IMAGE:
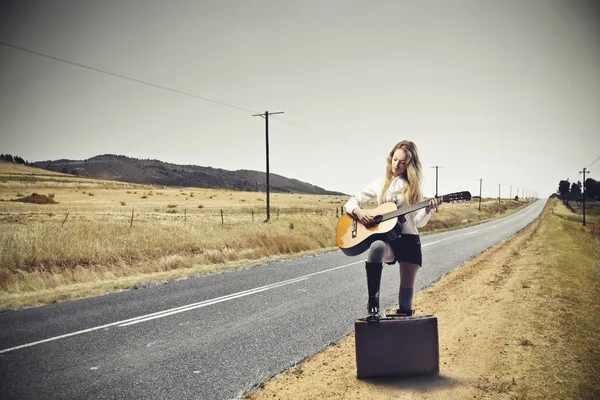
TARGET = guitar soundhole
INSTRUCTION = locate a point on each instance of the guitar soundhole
(377, 219)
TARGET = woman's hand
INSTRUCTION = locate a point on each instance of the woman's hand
(433, 203)
(363, 216)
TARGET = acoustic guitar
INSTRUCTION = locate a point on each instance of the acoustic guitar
(353, 238)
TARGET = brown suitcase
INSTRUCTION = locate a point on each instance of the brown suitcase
(397, 346)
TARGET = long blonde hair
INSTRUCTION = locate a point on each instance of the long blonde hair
(411, 192)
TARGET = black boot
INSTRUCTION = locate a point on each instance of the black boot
(373, 285)
(400, 312)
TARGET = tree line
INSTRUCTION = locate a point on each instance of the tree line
(574, 190)
(13, 159)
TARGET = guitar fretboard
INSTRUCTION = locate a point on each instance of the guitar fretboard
(404, 210)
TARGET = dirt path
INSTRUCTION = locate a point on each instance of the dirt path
(519, 321)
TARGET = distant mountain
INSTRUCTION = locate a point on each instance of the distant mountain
(154, 172)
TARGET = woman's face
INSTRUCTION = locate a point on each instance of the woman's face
(399, 162)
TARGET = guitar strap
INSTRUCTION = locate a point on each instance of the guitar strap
(398, 228)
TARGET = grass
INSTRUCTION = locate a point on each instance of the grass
(88, 242)
(565, 308)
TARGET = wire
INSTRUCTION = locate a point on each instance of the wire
(593, 162)
(322, 133)
(175, 91)
(128, 78)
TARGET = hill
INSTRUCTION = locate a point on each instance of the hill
(155, 172)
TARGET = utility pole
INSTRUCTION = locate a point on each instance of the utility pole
(480, 181)
(498, 193)
(583, 172)
(266, 117)
(436, 178)
(510, 194)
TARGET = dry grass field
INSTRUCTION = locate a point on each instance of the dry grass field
(102, 235)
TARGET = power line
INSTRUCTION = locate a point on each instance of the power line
(588, 167)
(324, 134)
(174, 91)
(127, 78)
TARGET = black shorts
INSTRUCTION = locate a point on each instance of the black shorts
(407, 248)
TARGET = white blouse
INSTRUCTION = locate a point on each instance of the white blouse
(414, 220)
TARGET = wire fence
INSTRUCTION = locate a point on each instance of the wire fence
(133, 216)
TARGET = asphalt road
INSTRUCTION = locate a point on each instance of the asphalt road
(214, 336)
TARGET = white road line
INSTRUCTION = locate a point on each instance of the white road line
(210, 302)
(469, 233)
(175, 310)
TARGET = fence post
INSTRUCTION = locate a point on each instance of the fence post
(222, 217)
(278, 213)
(253, 215)
(131, 223)
(184, 215)
(65, 220)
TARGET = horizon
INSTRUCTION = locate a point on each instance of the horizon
(30, 163)
(503, 91)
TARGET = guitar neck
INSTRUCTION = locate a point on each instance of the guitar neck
(404, 210)
(457, 196)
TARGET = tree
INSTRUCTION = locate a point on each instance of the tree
(563, 188)
(576, 190)
(592, 189)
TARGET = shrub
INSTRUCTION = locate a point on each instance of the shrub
(172, 205)
(123, 203)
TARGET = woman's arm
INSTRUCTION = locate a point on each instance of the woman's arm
(422, 216)
(370, 191)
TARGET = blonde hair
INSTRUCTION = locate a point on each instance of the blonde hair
(411, 192)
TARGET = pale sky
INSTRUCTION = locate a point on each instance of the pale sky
(507, 91)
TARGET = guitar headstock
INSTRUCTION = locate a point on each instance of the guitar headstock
(458, 196)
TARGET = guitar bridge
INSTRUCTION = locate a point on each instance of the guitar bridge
(354, 227)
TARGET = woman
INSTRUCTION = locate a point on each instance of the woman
(402, 185)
